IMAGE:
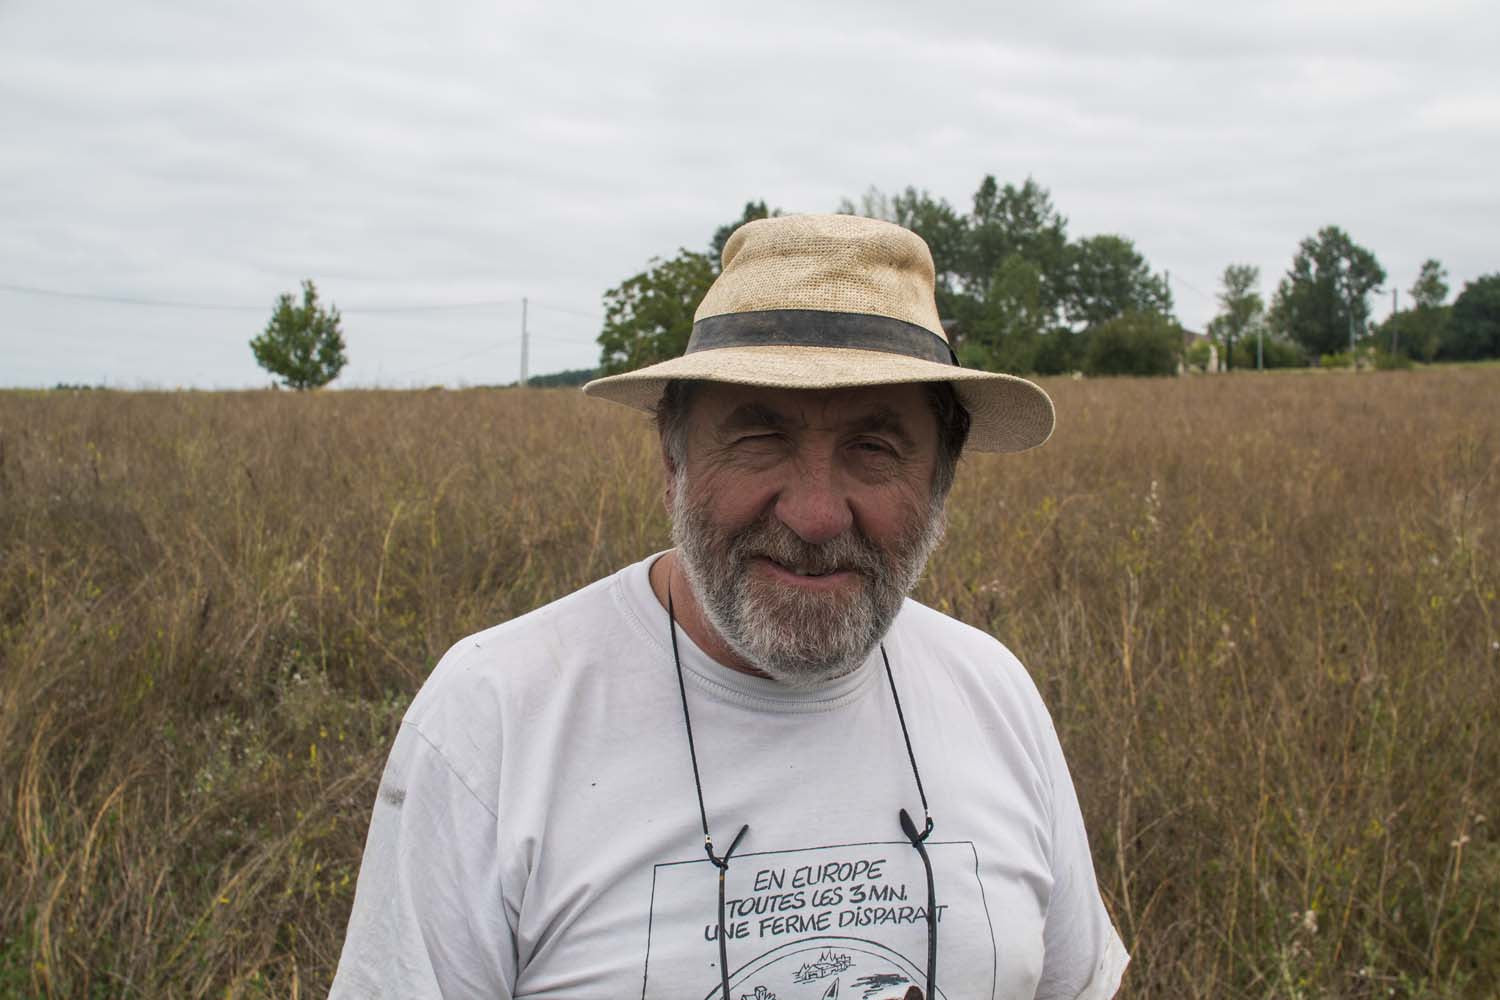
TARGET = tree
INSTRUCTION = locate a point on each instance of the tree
(1003, 331)
(1135, 343)
(942, 228)
(1240, 308)
(302, 344)
(1420, 331)
(1414, 333)
(1272, 351)
(1107, 277)
(1430, 289)
(1016, 220)
(753, 210)
(1474, 330)
(1324, 299)
(648, 318)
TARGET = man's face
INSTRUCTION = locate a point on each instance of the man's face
(804, 518)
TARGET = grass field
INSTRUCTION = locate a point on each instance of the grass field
(1262, 609)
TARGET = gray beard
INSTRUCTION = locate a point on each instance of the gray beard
(800, 639)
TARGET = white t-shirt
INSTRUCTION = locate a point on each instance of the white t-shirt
(537, 833)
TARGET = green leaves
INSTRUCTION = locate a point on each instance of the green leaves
(1474, 330)
(1023, 298)
(1135, 343)
(1241, 308)
(1323, 302)
(302, 343)
(1017, 295)
(1106, 278)
(648, 318)
(1431, 286)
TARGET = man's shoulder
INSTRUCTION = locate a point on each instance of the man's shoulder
(933, 626)
(500, 669)
(972, 656)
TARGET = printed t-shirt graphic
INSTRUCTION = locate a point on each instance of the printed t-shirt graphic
(847, 921)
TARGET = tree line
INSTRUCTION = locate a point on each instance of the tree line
(1018, 294)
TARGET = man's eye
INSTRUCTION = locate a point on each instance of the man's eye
(872, 447)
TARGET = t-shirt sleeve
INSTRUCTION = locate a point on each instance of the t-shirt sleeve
(1085, 958)
(428, 919)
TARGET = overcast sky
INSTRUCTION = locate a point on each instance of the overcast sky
(413, 155)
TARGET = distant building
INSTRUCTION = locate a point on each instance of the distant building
(1190, 339)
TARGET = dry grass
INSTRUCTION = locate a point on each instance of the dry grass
(1263, 610)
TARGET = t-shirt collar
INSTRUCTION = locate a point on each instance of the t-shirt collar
(725, 682)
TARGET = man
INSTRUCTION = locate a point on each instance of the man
(883, 804)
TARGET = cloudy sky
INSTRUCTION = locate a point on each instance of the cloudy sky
(169, 168)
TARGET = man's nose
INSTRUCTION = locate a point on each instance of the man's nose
(814, 504)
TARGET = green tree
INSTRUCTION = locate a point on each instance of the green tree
(1273, 351)
(1020, 221)
(1474, 330)
(302, 344)
(753, 210)
(648, 318)
(1240, 308)
(1324, 299)
(1003, 331)
(1418, 332)
(1134, 343)
(933, 219)
(1430, 290)
(1414, 333)
(1421, 329)
(1107, 277)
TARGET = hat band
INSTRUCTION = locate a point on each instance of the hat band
(819, 328)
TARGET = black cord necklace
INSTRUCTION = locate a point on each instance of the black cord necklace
(721, 862)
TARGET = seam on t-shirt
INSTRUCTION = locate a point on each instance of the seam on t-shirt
(452, 769)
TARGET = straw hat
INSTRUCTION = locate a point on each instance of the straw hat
(832, 302)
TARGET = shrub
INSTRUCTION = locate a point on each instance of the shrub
(1385, 361)
(1276, 352)
(1145, 343)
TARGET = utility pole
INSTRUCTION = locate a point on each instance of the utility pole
(524, 341)
(1394, 309)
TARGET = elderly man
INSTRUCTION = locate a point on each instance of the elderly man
(883, 804)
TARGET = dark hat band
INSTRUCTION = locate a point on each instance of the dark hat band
(819, 328)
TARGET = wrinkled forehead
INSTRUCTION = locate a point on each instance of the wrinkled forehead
(721, 405)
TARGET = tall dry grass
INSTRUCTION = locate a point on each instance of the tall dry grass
(1262, 609)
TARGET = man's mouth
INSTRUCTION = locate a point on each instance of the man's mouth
(806, 572)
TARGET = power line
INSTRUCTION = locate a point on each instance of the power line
(571, 312)
(1179, 279)
(566, 340)
(450, 361)
(139, 300)
(462, 357)
(432, 306)
(128, 300)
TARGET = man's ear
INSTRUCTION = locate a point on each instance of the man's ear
(669, 480)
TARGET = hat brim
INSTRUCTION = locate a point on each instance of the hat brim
(1007, 413)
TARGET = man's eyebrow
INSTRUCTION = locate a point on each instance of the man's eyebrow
(749, 416)
(883, 420)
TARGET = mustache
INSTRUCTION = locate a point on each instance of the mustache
(770, 539)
